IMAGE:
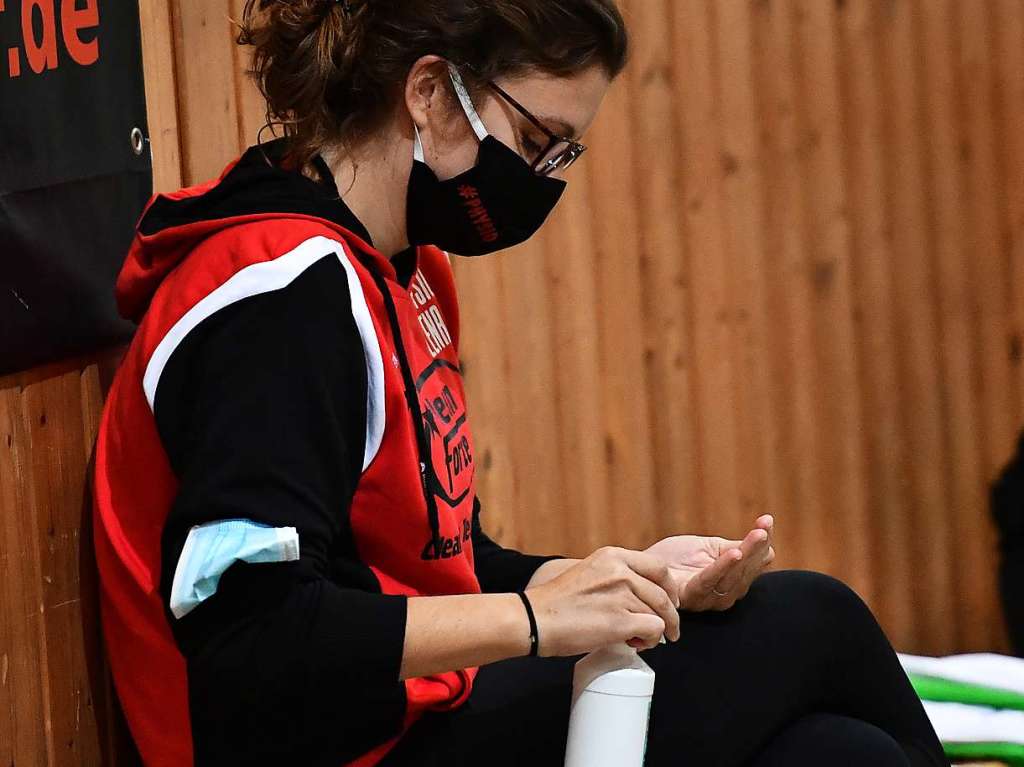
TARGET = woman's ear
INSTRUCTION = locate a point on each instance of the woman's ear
(425, 93)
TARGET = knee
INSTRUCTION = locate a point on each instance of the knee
(835, 740)
(861, 743)
(811, 594)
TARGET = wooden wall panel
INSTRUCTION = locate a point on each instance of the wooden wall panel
(207, 81)
(161, 93)
(56, 704)
(885, 497)
(948, 243)
(742, 223)
(664, 281)
(24, 699)
(790, 370)
(788, 278)
(1009, 90)
(913, 282)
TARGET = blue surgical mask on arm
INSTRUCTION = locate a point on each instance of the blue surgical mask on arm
(212, 548)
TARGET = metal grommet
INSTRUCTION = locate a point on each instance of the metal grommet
(138, 141)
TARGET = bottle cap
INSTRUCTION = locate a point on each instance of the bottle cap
(615, 670)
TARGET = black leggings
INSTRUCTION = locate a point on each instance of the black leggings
(796, 673)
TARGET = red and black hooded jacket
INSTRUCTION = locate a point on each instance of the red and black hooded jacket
(278, 362)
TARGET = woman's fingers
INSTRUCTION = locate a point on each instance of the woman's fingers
(707, 580)
(719, 545)
(751, 548)
(645, 630)
(653, 569)
(767, 522)
(655, 598)
(760, 559)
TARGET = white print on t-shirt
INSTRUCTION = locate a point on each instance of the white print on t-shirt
(431, 320)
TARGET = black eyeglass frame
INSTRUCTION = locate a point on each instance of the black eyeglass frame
(563, 159)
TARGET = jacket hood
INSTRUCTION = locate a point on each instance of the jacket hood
(252, 187)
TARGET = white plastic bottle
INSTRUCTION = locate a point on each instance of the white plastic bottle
(611, 704)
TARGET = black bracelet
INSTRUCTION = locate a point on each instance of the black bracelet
(534, 636)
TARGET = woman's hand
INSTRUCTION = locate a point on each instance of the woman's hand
(614, 595)
(701, 564)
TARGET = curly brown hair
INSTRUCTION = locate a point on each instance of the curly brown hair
(331, 71)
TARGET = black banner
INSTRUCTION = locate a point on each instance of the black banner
(75, 173)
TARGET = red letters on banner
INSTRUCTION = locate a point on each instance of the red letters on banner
(39, 29)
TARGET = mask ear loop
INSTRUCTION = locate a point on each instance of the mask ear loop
(467, 106)
(417, 147)
(467, 103)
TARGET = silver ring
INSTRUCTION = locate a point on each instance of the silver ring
(719, 592)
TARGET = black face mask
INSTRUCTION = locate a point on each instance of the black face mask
(498, 203)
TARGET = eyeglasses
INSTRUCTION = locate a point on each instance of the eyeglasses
(560, 153)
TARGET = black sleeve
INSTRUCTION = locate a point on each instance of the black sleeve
(499, 569)
(262, 410)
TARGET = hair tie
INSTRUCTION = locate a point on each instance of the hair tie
(534, 636)
(348, 7)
